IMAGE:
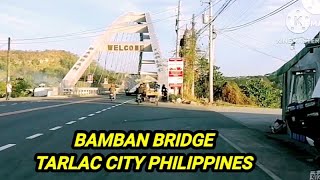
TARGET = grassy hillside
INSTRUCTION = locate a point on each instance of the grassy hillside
(48, 66)
(38, 66)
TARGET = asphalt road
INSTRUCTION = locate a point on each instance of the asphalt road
(49, 126)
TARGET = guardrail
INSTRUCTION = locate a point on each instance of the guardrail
(81, 91)
(85, 91)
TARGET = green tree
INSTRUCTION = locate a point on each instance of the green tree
(262, 92)
(20, 87)
(202, 80)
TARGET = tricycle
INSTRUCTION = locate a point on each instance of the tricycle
(152, 97)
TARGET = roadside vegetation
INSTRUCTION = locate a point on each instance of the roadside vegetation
(260, 91)
(30, 68)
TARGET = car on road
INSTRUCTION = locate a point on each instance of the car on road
(132, 91)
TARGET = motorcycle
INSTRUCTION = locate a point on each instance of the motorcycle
(139, 98)
(111, 96)
(164, 96)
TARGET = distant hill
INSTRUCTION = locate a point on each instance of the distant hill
(272, 78)
(49, 66)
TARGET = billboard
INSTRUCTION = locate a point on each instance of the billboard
(175, 70)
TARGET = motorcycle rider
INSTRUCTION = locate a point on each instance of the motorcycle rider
(140, 91)
(113, 90)
(144, 91)
(164, 92)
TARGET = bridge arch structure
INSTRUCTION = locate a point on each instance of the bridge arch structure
(129, 46)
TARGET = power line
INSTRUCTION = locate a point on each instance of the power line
(222, 9)
(161, 12)
(243, 14)
(201, 12)
(288, 4)
(251, 48)
(77, 34)
(96, 30)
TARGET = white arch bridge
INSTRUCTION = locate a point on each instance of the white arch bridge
(128, 48)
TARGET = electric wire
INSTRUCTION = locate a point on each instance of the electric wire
(249, 47)
(97, 30)
(278, 10)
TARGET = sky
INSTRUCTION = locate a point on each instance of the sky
(254, 50)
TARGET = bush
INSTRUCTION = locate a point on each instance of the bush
(231, 93)
(173, 97)
(2, 89)
(20, 87)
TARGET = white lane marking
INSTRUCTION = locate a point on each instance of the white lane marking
(2, 105)
(103, 110)
(262, 167)
(82, 118)
(109, 108)
(98, 112)
(46, 107)
(23, 102)
(113, 106)
(34, 136)
(90, 115)
(6, 146)
(14, 104)
(71, 122)
(128, 101)
(55, 128)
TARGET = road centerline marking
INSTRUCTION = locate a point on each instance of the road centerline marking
(98, 112)
(82, 118)
(55, 128)
(261, 166)
(45, 107)
(71, 122)
(34, 136)
(6, 146)
(90, 115)
(103, 110)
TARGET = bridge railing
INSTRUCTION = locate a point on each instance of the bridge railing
(86, 91)
(81, 91)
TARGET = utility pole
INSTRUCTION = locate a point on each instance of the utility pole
(177, 31)
(193, 40)
(211, 52)
(8, 65)
(178, 42)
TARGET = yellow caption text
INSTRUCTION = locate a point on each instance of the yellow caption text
(148, 162)
(145, 139)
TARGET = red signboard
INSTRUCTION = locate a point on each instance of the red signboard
(175, 73)
(175, 68)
